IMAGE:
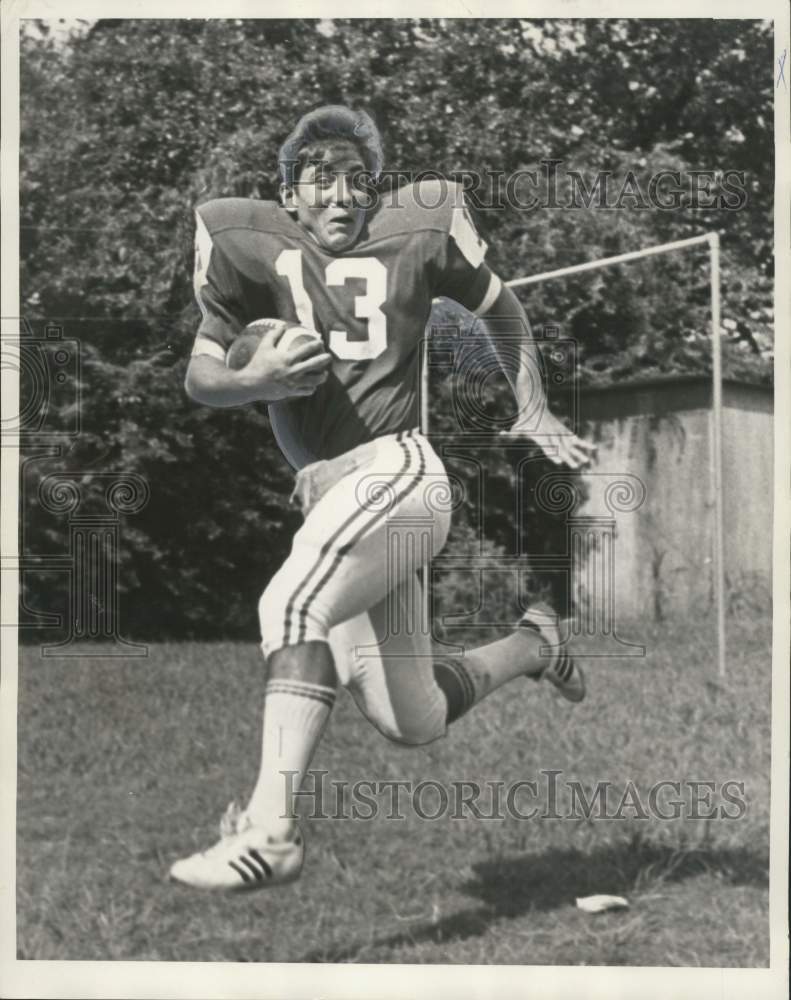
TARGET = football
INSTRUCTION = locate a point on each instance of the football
(244, 347)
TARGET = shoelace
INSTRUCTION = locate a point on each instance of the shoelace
(234, 820)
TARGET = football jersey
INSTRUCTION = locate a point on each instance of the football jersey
(370, 303)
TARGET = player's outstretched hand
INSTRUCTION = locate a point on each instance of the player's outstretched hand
(557, 442)
(279, 374)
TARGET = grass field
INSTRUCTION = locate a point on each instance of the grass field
(126, 764)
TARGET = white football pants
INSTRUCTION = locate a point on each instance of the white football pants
(351, 579)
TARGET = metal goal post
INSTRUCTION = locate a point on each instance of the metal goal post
(713, 241)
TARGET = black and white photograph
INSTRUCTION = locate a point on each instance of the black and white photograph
(395, 501)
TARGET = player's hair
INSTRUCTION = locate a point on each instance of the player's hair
(318, 131)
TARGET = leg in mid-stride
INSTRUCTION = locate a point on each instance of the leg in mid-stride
(320, 630)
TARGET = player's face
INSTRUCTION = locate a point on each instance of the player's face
(329, 199)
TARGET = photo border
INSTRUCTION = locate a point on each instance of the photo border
(278, 980)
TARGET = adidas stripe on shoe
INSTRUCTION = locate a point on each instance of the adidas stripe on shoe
(562, 672)
(244, 858)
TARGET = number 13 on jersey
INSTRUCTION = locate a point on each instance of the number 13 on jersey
(366, 306)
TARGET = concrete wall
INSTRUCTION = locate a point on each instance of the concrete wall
(660, 432)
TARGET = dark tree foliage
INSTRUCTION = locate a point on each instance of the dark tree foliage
(126, 125)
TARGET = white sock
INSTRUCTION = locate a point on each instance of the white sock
(499, 662)
(295, 713)
(487, 668)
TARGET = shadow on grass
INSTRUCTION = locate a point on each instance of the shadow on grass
(513, 887)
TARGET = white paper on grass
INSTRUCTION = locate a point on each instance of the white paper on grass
(598, 904)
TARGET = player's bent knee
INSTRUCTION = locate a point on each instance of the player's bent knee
(415, 733)
(285, 620)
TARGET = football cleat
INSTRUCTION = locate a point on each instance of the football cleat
(562, 672)
(244, 858)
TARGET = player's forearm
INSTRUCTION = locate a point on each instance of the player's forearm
(210, 382)
(508, 329)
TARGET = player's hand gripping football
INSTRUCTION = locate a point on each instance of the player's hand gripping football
(277, 374)
(552, 436)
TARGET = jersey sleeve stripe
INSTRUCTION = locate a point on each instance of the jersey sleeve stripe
(203, 345)
(466, 238)
(203, 249)
(491, 296)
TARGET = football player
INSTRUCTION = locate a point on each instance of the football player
(345, 412)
